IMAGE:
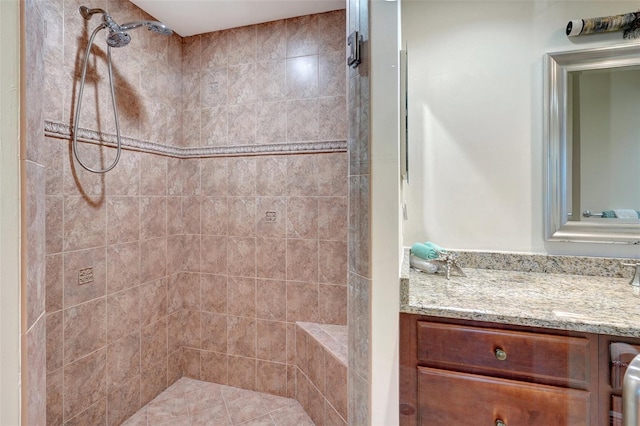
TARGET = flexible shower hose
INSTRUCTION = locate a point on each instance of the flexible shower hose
(79, 104)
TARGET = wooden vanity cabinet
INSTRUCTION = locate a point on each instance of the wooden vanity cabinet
(455, 372)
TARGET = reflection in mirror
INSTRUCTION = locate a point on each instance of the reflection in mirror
(593, 145)
(604, 144)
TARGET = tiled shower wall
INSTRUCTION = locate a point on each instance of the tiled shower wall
(199, 266)
(272, 230)
(147, 73)
(278, 82)
(264, 246)
(107, 338)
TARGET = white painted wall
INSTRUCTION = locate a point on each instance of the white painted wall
(9, 213)
(386, 240)
(476, 119)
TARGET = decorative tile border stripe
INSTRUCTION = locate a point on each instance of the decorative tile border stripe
(62, 131)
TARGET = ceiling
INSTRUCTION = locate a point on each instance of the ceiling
(191, 17)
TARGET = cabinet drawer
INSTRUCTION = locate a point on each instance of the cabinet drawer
(542, 358)
(450, 398)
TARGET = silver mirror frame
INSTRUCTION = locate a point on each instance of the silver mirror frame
(557, 66)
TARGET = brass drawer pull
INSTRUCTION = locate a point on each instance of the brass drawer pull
(501, 356)
(499, 422)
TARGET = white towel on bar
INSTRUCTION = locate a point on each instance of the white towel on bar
(626, 213)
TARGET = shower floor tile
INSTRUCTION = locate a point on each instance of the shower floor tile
(190, 402)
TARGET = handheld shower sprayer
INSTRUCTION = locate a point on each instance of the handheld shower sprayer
(117, 37)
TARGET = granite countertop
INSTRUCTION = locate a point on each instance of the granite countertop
(594, 304)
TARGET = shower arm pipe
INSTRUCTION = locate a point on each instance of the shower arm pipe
(79, 104)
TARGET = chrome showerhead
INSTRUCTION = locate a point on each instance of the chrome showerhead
(118, 39)
(118, 35)
(88, 13)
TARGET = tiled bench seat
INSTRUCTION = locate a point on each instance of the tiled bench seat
(321, 372)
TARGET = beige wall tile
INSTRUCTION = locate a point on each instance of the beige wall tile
(271, 260)
(214, 254)
(332, 218)
(54, 397)
(242, 216)
(153, 217)
(123, 313)
(125, 178)
(332, 262)
(302, 36)
(153, 380)
(153, 175)
(191, 363)
(53, 282)
(76, 293)
(214, 49)
(241, 297)
(244, 42)
(271, 176)
(242, 176)
(55, 340)
(271, 377)
(84, 383)
(302, 217)
(153, 301)
(153, 259)
(302, 260)
(332, 174)
(214, 335)
(215, 177)
(193, 329)
(272, 77)
(123, 402)
(53, 224)
(271, 215)
(215, 216)
(302, 77)
(84, 223)
(271, 122)
(302, 175)
(241, 338)
(191, 207)
(302, 120)
(302, 302)
(123, 266)
(214, 367)
(272, 40)
(241, 252)
(94, 415)
(316, 364)
(123, 362)
(175, 222)
(153, 344)
(214, 293)
(241, 83)
(36, 372)
(123, 219)
(332, 304)
(271, 345)
(241, 372)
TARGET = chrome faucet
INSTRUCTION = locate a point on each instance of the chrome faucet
(635, 281)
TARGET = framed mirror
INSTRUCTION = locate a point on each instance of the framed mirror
(592, 146)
